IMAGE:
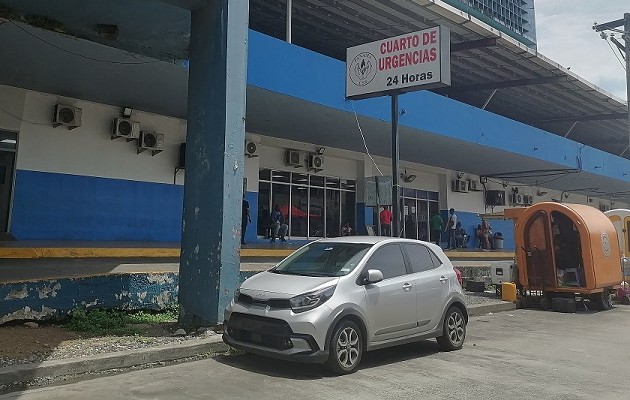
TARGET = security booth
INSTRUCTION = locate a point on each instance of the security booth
(566, 249)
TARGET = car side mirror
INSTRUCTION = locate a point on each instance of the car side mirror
(373, 276)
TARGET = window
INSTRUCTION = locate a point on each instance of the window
(419, 256)
(313, 206)
(389, 260)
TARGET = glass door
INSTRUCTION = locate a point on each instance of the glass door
(411, 218)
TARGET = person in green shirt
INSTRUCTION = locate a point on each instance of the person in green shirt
(437, 223)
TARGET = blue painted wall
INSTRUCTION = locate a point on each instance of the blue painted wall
(250, 233)
(294, 71)
(70, 207)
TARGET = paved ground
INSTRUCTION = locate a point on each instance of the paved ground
(518, 355)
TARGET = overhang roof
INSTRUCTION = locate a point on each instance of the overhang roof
(529, 87)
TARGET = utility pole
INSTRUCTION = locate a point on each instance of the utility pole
(625, 23)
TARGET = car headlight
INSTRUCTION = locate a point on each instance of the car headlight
(237, 292)
(309, 301)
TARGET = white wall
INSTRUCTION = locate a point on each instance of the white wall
(89, 150)
(11, 101)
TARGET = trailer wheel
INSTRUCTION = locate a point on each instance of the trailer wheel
(602, 301)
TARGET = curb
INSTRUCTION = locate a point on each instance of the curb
(99, 363)
(482, 309)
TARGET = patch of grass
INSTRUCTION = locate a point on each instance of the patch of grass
(117, 322)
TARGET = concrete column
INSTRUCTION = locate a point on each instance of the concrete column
(209, 263)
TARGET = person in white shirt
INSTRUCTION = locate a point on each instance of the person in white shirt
(451, 226)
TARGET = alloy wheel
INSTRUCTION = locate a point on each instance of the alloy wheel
(348, 347)
(456, 330)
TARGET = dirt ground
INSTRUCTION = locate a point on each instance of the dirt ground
(20, 344)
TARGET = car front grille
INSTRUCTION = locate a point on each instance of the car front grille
(263, 331)
(247, 300)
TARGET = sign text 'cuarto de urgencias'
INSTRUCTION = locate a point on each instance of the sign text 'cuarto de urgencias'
(414, 61)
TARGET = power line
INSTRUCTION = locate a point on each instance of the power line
(82, 55)
(364, 142)
(21, 119)
(615, 53)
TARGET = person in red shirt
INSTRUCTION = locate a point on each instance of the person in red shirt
(386, 222)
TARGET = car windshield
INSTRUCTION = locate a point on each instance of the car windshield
(323, 259)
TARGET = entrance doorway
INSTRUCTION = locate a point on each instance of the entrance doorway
(8, 148)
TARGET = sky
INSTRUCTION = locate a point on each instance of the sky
(564, 34)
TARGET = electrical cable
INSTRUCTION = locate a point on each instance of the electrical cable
(21, 119)
(356, 117)
(81, 55)
(615, 53)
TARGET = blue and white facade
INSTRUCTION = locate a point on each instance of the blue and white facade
(81, 185)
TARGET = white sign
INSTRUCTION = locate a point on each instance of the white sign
(414, 61)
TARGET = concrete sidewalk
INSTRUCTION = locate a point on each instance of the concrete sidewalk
(148, 357)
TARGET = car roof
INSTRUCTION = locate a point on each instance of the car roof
(371, 240)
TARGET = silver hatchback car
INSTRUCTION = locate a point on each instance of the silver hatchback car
(334, 299)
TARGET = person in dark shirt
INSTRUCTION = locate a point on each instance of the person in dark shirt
(245, 219)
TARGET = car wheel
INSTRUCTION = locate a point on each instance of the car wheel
(346, 348)
(454, 330)
(602, 301)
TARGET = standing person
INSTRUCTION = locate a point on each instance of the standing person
(451, 225)
(437, 224)
(386, 222)
(245, 219)
(346, 230)
(277, 225)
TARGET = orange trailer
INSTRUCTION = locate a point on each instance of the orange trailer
(566, 249)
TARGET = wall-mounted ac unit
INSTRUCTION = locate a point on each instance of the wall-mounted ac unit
(460, 186)
(125, 128)
(151, 141)
(604, 207)
(495, 197)
(475, 186)
(528, 200)
(67, 116)
(251, 149)
(293, 158)
(315, 162)
(516, 199)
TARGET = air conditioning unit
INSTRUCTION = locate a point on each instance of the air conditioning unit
(460, 186)
(315, 162)
(67, 116)
(495, 197)
(293, 158)
(604, 207)
(528, 200)
(151, 141)
(516, 199)
(475, 186)
(125, 128)
(251, 149)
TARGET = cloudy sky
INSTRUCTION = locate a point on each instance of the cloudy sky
(565, 35)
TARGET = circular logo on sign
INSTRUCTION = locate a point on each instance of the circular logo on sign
(362, 69)
(605, 244)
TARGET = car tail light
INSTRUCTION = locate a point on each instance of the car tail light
(459, 276)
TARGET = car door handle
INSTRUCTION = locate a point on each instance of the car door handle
(407, 286)
(443, 279)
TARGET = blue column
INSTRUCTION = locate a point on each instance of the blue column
(213, 187)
